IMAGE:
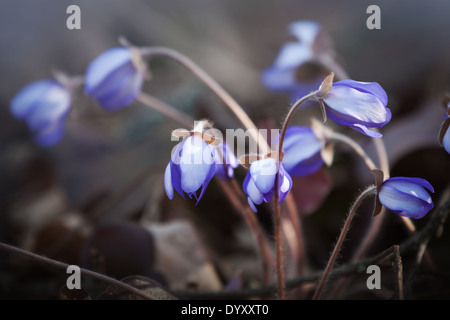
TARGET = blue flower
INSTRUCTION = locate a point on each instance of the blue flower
(406, 196)
(43, 105)
(115, 77)
(191, 167)
(226, 155)
(359, 105)
(444, 133)
(301, 151)
(283, 74)
(259, 183)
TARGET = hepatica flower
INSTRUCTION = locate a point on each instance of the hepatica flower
(259, 183)
(358, 105)
(191, 167)
(302, 151)
(444, 133)
(43, 105)
(115, 77)
(406, 196)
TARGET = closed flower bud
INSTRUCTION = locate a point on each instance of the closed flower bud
(43, 105)
(115, 77)
(259, 183)
(359, 105)
(406, 196)
(191, 168)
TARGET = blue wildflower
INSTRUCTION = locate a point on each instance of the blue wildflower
(359, 105)
(406, 196)
(191, 167)
(444, 133)
(302, 151)
(44, 105)
(115, 77)
(259, 183)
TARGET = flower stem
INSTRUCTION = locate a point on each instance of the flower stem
(165, 109)
(214, 86)
(64, 266)
(355, 146)
(231, 104)
(279, 244)
(370, 190)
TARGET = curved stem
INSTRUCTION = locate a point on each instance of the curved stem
(165, 109)
(239, 203)
(64, 266)
(231, 104)
(370, 190)
(279, 244)
(356, 147)
(214, 86)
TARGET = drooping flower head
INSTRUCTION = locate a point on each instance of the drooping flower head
(302, 151)
(259, 183)
(115, 77)
(191, 167)
(358, 105)
(43, 105)
(406, 196)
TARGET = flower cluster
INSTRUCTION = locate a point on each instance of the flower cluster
(115, 79)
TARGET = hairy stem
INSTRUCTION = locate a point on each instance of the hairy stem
(370, 190)
(61, 265)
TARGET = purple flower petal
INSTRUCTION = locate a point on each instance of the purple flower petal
(368, 87)
(301, 151)
(306, 31)
(356, 106)
(263, 174)
(168, 182)
(196, 160)
(113, 80)
(406, 196)
(254, 194)
(50, 134)
(402, 203)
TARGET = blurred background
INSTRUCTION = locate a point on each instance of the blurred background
(102, 183)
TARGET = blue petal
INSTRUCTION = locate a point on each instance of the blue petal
(369, 87)
(251, 190)
(168, 182)
(197, 158)
(402, 203)
(113, 79)
(277, 79)
(406, 183)
(306, 31)
(252, 205)
(208, 178)
(102, 66)
(49, 135)
(25, 100)
(53, 106)
(263, 174)
(176, 178)
(285, 184)
(353, 106)
(301, 145)
(446, 141)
